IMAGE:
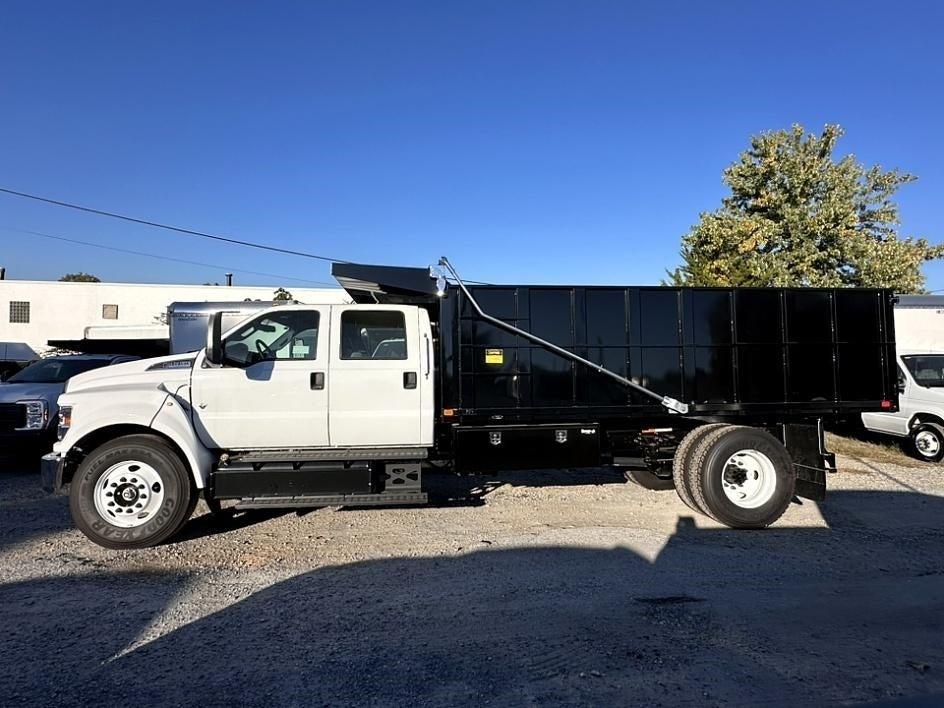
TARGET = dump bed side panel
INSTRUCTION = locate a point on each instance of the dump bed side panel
(803, 351)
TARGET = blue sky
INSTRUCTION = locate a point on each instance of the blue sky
(528, 141)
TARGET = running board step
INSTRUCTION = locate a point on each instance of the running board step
(381, 499)
(302, 454)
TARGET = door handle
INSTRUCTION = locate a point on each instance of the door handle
(409, 379)
(317, 380)
(429, 357)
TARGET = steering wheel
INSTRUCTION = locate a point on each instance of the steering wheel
(264, 350)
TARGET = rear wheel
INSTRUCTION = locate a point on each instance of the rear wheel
(682, 463)
(927, 442)
(132, 492)
(742, 477)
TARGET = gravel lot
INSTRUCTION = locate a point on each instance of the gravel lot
(529, 589)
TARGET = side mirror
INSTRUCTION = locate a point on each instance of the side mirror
(901, 387)
(214, 345)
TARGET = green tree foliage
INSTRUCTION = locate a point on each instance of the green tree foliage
(282, 295)
(797, 216)
(79, 278)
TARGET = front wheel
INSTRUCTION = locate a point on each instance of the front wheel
(927, 442)
(132, 492)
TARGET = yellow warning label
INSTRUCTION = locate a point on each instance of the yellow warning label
(494, 356)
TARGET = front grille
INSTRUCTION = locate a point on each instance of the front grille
(12, 416)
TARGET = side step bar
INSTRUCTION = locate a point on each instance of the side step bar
(303, 454)
(265, 485)
(381, 499)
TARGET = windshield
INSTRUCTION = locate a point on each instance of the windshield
(928, 370)
(55, 370)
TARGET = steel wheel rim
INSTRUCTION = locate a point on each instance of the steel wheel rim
(927, 443)
(749, 479)
(129, 494)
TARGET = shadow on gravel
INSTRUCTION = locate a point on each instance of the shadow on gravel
(26, 511)
(203, 525)
(787, 616)
(447, 489)
(35, 513)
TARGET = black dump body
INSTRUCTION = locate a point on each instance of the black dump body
(772, 354)
(785, 352)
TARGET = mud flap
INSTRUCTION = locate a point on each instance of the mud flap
(807, 446)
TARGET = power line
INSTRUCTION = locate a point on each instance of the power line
(165, 258)
(178, 229)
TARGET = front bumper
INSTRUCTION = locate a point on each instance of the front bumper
(50, 472)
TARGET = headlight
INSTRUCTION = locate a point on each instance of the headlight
(36, 415)
(65, 421)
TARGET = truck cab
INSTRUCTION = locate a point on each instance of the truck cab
(919, 421)
(321, 392)
(279, 374)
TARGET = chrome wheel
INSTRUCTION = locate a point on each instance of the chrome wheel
(128, 494)
(927, 443)
(749, 479)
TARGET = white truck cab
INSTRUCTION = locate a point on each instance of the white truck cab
(291, 381)
(919, 421)
(270, 388)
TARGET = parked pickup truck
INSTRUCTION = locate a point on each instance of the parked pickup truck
(919, 420)
(719, 392)
(28, 412)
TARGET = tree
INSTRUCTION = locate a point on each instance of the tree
(282, 295)
(797, 216)
(79, 278)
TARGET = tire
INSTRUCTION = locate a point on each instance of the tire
(648, 480)
(132, 492)
(682, 464)
(927, 442)
(742, 477)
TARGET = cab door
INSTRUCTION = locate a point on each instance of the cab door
(271, 391)
(376, 389)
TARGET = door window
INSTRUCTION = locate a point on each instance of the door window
(927, 370)
(373, 334)
(290, 334)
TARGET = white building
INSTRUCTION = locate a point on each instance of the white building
(919, 323)
(33, 312)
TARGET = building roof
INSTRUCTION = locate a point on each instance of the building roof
(217, 288)
(920, 301)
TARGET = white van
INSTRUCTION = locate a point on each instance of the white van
(920, 417)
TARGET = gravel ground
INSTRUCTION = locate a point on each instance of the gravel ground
(535, 588)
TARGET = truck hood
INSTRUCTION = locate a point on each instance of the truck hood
(13, 392)
(171, 371)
